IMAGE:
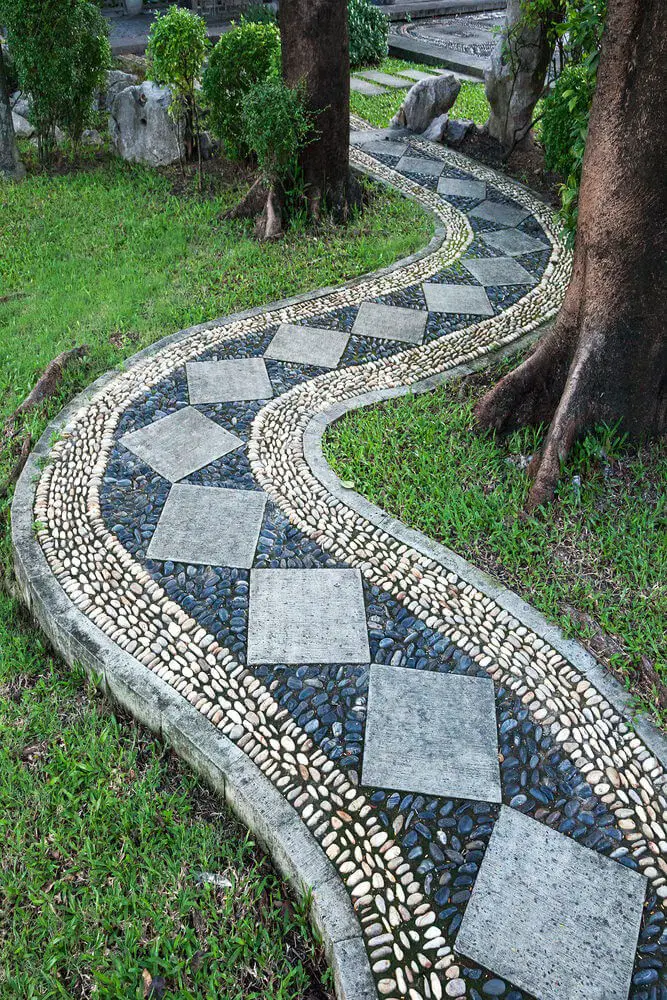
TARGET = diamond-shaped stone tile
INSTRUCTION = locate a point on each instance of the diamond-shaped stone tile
(494, 271)
(555, 918)
(420, 165)
(385, 148)
(307, 616)
(504, 215)
(181, 443)
(513, 242)
(431, 733)
(375, 319)
(307, 345)
(208, 526)
(457, 299)
(228, 381)
(461, 187)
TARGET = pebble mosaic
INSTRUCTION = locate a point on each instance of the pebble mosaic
(286, 651)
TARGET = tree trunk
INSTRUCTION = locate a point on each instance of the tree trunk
(519, 64)
(11, 167)
(315, 52)
(605, 361)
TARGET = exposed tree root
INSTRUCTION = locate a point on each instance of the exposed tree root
(252, 203)
(18, 467)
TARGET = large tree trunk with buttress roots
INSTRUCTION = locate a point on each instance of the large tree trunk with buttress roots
(515, 80)
(315, 53)
(605, 360)
(11, 167)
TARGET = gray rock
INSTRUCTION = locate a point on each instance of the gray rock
(91, 137)
(117, 80)
(437, 129)
(456, 131)
(428, 99)
(141, 128)
(20, 104)
(22, 127)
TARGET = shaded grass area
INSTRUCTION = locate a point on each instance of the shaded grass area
(595, 562)
(103, 833)
(381, 108)
(117, 867)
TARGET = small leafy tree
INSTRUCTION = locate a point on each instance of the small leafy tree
(177, 47)
(61, 53)
(244, 56)
(368, 28)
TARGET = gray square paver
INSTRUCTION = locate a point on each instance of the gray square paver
(307, 345)
(181, 443)
(457, 299)
(228, 381)
(513, 242)
(386, 79)
(386, 148)
(420, 165)
(208, 526)
(431, 733)
(461, 187)
(375, 319)
(494, 271)
(419, 74)
(307, 616)
(365, 87)
(504, 215)
(555, 918)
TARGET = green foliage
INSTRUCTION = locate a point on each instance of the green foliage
(564, 131)
(247, 55)
(11, 74)
(177, 47)
(61, 50)
(368, 28)
(260, 13)
(276, 127)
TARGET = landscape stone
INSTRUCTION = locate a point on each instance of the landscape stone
(307, 345)
(457, 130)
(465, 299)
(116, 81)
(178, 445)
(22, 127)
(209, 526)
(228, 381)
(426, 100)
(555, 918)
(431, 733)
(365, 87)
(437, 129)
(375, 319)
(141, 128)
(307, 616)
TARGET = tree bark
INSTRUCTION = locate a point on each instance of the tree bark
(11, 167)
(519, 65)
(315, 53)
(605, 361)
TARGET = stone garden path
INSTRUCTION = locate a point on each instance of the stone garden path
(455, 783)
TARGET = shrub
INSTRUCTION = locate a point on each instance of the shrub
(177, 47)
(565, 120)
(368, 27)
(61, 51)
(276, 127)
(246, 55)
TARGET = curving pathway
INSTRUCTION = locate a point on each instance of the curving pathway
(457, 786)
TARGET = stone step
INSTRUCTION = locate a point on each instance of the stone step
(399, 9)
(406, 47)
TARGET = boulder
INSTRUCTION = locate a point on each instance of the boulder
(91, 137)
(117, 80)
(141, 128)
(456, 131)
(428, 99)
(22, 127)
(437, 129)
(20, 104)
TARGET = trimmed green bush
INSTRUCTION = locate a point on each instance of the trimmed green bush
(276, 127)
(246, 55)
(177, 47)
(369, 32)
(61, 52)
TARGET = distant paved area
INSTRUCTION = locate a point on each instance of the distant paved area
(463, 42)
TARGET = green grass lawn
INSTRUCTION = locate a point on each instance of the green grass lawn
(103, 833)
(595, 562)
(380, 109)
